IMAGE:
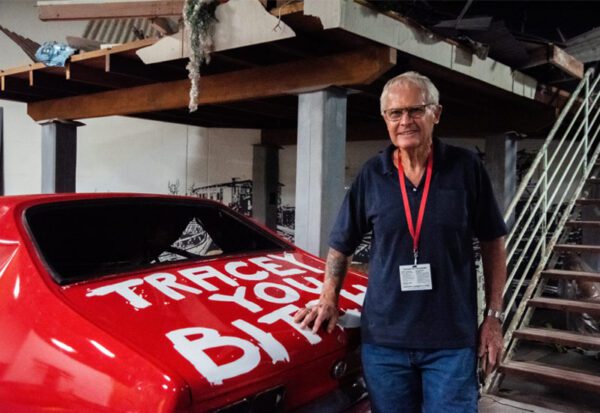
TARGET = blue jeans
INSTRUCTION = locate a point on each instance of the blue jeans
(421, 381)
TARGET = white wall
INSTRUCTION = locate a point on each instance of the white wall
(357, 153)
(114, 154)
(22, 136)
(130, 155)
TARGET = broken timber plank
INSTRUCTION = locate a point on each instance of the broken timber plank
(27, 45)
(357, 67)
(120, 48)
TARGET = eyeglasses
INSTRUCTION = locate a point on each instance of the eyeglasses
(413, 112)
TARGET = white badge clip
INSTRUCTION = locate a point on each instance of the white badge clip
(416, 277)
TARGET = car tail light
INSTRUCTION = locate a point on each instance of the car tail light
(339, 369)
(268, 401)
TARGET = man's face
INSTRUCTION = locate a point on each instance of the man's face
(410, 128)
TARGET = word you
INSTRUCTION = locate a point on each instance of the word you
(251, 284)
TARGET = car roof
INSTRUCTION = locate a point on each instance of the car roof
(12, 201)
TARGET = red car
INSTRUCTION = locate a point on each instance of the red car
(134, 303)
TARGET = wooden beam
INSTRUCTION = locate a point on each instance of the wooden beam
(125, 48)
(99, 77)
(16, 86)
(357, 67)
(567, 63)
(49, 10)
(77, 10)
(554, 55)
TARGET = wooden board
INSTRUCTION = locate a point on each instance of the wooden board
(357, 67)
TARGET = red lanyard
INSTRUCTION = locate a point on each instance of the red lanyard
(415, 234)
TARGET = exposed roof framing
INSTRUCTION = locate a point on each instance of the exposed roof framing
(345, 69)
(84, 73)
(253, 84)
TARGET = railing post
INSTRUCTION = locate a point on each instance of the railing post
(544, 229)
(540, 243)
(586, 122)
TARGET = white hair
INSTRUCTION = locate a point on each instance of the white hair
(432, 95)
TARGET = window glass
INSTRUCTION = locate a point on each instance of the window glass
(81, 240)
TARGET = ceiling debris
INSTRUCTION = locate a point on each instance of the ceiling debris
(586, 46)
(541, 38)
(461, 45)
(27, 45)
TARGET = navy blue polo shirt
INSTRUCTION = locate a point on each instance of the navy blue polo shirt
(461, 206)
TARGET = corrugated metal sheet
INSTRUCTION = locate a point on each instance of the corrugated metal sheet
(113, 31)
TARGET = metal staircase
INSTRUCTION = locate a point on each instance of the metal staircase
(545, 236)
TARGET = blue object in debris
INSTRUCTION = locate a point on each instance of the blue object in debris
(54, 53)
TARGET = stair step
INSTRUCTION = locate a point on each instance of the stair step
(565, 305)
(588, 201)
(552, 375)
(572, 275)
(565, 338)
(593, 180)
(583, 223)
(577, 248)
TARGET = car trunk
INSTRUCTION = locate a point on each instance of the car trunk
(225, 326)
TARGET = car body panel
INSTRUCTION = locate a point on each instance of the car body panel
(187, 336)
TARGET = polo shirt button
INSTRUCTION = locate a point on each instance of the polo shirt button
(414, 189)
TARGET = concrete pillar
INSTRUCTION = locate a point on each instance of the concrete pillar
(320, 168)
(59, 156)
(265, 184)
(501, 164)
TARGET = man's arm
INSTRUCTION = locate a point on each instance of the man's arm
(493, 256)
(326, 310)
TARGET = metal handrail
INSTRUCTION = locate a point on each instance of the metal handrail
(531, 224)
(546, 197)
(547, 183)
(540, 181)
(527, 178)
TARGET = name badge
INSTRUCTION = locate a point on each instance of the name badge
(415, 277)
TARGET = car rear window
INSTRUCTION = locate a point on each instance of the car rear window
(82, 240)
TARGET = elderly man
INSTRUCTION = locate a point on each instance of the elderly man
(424, 201)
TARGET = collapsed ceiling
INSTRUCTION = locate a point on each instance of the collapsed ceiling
(484, 27)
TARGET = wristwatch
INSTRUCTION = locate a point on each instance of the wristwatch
(497, 314)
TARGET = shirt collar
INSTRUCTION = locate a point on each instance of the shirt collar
(439, 156)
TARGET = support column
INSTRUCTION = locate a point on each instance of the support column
(501, 164)
(59, 156)
(265, 184)
(320, 169)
